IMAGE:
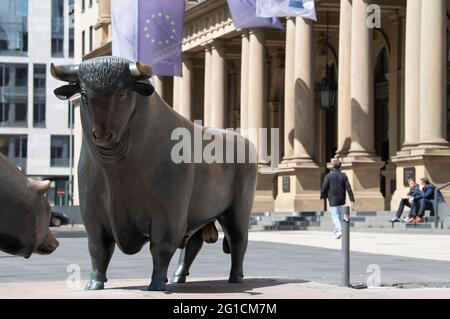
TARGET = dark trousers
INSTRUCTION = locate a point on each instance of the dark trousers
(424, 204)
(401, 207)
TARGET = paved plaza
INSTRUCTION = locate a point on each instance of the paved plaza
(278, 265)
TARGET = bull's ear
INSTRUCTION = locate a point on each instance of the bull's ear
(142, 88)
(67, 91)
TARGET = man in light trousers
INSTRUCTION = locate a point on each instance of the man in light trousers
(335, 187)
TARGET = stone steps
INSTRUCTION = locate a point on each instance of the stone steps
(360, 221)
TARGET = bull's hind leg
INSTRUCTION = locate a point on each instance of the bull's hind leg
(187, 256)
(235, 224)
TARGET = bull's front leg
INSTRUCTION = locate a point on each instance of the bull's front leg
(162, 253)
(101, 249)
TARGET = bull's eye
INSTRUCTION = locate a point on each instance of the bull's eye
(84, 98)
(122, 93)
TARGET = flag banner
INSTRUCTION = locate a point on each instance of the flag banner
(286, 8)
(150, 31)
(124, 24)
(243, 14)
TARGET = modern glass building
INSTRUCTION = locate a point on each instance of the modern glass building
(34, 125)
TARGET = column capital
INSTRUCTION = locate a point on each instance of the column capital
(218, 44)
(257, 32)
(244, 33)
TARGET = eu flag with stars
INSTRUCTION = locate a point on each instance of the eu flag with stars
(160, 35)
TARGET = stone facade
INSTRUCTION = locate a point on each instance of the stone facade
(391, 113)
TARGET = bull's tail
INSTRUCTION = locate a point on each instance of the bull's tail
(210, 234)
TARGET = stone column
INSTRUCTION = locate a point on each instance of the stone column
(289, 87)
(218, 67)
(257, 102)
(176, 93)
(159, 85)
(103, 25)
(359, 163)
(412, 73)
(185, 97)
(207, 93)
(344, 95)
(298, 175)
(245, 57)
(362, 82)
(257, 109)
(304, 130)
(433, 75)
(431, 157)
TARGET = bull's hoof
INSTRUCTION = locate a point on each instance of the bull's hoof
(235, 279)
(157, 287)
(95, 285)
(178, 279)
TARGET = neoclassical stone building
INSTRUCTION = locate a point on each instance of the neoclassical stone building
(390, 119)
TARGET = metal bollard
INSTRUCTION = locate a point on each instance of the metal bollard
(346, 247)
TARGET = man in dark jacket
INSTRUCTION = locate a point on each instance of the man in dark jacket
(411, 200)
(425, 199)
(334, 187)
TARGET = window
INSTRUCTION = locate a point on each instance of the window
(83, 5)
(71, 115)
(83, 41)
(39, 85)
(57, 28)
(71, 28)
(91, 34)
(13, 95)
(90, 3)
(13, 27)
(14, 147)
(59, 151)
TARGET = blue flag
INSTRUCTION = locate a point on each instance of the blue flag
(160, 31)
(150, 31)
(243, 14)
(286, 8)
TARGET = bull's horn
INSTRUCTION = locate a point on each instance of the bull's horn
(40, 186)
(68, 73)
(140, 71)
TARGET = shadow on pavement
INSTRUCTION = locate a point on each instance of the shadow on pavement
(221, 286)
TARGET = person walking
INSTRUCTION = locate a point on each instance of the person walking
(334, 188)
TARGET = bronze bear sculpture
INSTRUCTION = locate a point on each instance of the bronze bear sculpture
(24, 213)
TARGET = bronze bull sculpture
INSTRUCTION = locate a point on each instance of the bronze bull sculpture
(24, 213)
(132, 192)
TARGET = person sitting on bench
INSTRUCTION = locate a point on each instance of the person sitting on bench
(410, 200)
(426, 198)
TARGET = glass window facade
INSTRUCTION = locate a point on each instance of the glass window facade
(13, 27)
(39, 85)
(71, 28)
(59, 151)
(91, 39)
(83, 43)
(13, 95)
(15, 147)
(57, 28)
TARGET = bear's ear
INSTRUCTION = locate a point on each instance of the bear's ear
(67, 91)
(142, 88)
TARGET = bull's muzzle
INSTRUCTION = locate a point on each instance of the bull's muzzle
(48, 246)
